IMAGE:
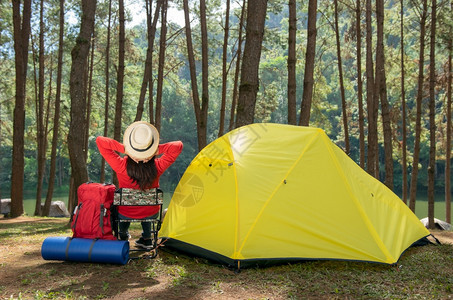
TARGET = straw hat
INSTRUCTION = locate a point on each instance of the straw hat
(141, 140)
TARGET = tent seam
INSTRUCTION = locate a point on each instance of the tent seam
(274, 191)
(374, 234)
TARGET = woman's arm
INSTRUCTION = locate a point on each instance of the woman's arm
(168, 153)
(109, 149)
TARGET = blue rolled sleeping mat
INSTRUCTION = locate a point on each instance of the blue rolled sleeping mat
(85, 250)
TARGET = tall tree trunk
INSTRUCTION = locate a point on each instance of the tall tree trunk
(79, 54)
(107, 87)
(340, 72)
(21, 27)
(403, 111)
(388, 131)
(120, 75)
(150, 82)
(89, 93)
(56, 119)
(381, 93)
(307, 94)
(201, 131)
(120, 78)
(360, 84)
(449, 133)
(291, 63)
(370, 87)
(160, 72)
(418, 122)
(432, 116)
(237, 69)
(204, 74)
(40, 134)
(256, 17)
(224, 68)
(151, 26)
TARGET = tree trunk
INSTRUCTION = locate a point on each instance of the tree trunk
(256, 17)
(204, 75)
(56, 119)
(360, 85)
(237, 69)
(403, 112)
(40, 134)
(79, 55)
(342, 92)
(449, 133)
(107, 87)
(151, 26)
(21, 36)
(292, 83)
(160, 72)
(388, 132)
(120, 75)
(307, 94)
(382, 94)
(370, 87)
(418, 125)
(432, 116)
(89, 93)
(224, 68)
(201, 131)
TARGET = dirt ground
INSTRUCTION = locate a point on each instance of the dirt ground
(23, 272)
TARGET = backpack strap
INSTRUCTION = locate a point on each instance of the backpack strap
(77, 210)
(67, 248)
(91, 249)
(102, 213)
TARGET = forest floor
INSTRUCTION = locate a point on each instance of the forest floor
(422, 272)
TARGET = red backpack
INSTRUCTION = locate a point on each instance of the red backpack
(91, 218)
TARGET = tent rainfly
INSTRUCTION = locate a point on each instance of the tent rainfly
(272, 193)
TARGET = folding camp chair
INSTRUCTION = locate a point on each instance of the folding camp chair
(133, 197)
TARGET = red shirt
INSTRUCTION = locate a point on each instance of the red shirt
(110, 148)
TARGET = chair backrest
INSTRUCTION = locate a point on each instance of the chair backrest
(134, 197)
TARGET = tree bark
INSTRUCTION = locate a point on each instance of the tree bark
(120, 75)
(237, 69)
(370, 87)
(418, 125)
(224, 68)
(291, 63)
(449, 133)
(204, 75)
(342, 92)
(89, 93)
(160, 72)
(403, 112)
(56, 119)
(201, 124)
(151, 25)
(79, 55)
(21, 27)
(432, 116)
(107, 87)
(382, 94)
(307, 94)
(248, 88)
(40, 133)
(360, 84)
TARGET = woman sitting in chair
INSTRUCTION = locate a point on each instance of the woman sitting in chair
(140, 168)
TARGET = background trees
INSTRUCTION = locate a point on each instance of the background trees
(188, 54)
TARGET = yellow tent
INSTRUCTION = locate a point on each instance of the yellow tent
(267, 192)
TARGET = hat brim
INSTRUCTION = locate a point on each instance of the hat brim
(137, 153)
